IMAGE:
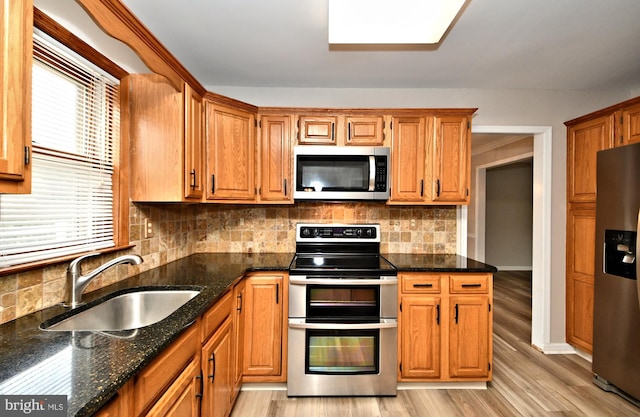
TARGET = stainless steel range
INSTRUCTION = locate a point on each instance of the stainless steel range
(343, 302)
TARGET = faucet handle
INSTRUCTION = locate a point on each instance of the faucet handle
(74, 266)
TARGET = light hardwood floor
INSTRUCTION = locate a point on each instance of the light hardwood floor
(525, 381)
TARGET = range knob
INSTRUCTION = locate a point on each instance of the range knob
(369, 232)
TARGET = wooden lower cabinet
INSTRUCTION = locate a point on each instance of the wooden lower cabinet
(154, 381)
(119, 405)
(217, 368)
(445, 327)
(420, 337)
(182, 398)
(265, 331)
(469, 334)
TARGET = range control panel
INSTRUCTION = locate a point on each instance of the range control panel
(337, 231)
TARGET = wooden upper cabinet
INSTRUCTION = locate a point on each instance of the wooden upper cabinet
(630, 124)
(194, 144)
(317, 130)
(275, 184)
(408, 160)
(165, 137)
(584, 140)
(452, 159)
(230, 149)
(15, 85)
(364, 130)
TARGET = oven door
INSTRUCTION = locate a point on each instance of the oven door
(338, 359)
(343, 299)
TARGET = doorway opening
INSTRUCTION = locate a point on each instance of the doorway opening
(541, 247)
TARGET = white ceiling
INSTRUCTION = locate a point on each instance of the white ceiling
(494, 44)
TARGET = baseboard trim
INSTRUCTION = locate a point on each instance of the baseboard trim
(264, 386)
(557, 349)
(514, 268)
(282, 386)
(441, 385)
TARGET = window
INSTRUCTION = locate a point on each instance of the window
(75, 134)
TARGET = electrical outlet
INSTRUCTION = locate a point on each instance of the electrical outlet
(148, 228)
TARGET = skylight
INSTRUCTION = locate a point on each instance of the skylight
(390, 21)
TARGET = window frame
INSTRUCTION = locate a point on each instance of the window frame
(120, 173)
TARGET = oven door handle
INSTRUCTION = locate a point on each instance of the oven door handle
(343, 282)
(382, 324)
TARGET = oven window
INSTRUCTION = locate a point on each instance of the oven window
(333, 173)
(342, 352)
(343, 302)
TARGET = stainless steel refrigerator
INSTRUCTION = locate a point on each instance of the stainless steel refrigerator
(616, 321)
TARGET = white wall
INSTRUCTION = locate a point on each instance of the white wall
(496, 108)
(509, 216)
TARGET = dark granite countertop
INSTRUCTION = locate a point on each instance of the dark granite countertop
(409, 262)
(90, 367)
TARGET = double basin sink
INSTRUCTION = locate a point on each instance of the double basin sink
(118, 312)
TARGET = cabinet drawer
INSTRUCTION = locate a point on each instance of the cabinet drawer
(469, 284)
(420, 284)
(157, 376)
(216, 315)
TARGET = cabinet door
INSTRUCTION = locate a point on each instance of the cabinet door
(217, 363)
(630, 124)
(408, 160)
(193, 144)
(263, 327)
(420, 337)
(581, 234)
(119, 405)
(452, 159)
(365, 130)
(15, 84)
(584, 140)
(317, 130)
(159, 150)
(239, 314)
(469, 336)
(230, 143)
(182, 398)
(275, 160)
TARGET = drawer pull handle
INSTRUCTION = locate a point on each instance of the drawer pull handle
(422, 285)
(471, 285)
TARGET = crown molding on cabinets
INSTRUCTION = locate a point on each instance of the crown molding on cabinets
(115, 19)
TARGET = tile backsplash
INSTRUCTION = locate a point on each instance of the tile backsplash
(180, 230)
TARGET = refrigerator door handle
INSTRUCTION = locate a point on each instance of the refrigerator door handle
(637, 266)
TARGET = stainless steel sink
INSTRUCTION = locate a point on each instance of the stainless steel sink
(128, 311)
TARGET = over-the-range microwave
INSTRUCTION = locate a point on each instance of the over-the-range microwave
(341, 172)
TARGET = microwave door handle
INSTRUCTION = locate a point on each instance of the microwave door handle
(372, 173)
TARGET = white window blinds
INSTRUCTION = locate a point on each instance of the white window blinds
(75, 133)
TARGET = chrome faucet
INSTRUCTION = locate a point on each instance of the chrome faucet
(76, 282)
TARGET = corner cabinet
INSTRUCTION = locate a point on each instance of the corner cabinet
(15, 108)
(617, 125)
(230, 150)
(431, 158)
(445, 327)
(165, 134)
